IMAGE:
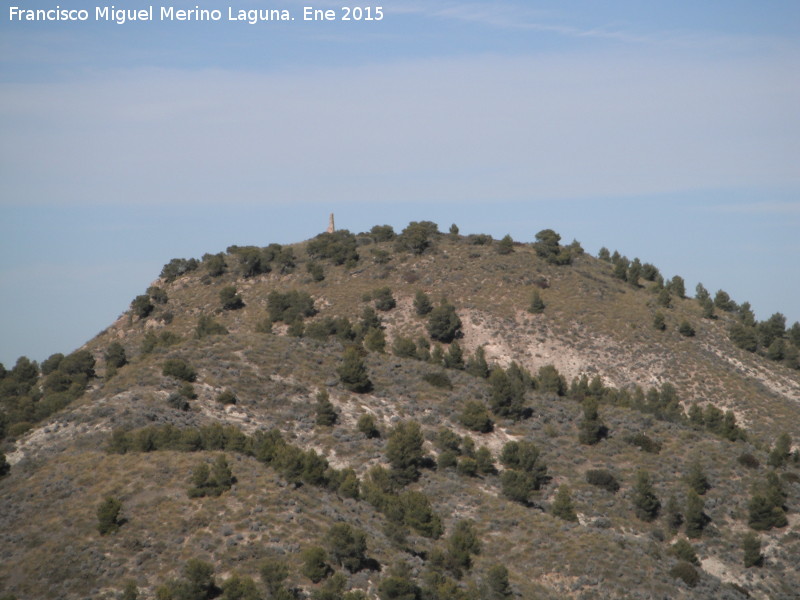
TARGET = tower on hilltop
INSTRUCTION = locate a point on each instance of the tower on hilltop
(331, 227)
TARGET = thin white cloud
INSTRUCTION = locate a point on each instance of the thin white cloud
(464, 129)
(760, 208)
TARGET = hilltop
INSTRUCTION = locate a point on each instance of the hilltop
(408, 415)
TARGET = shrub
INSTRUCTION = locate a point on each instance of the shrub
(683, 550)
(748, 460)
(315, 270)
(416, 237)
(484, 461)
(366, 425)
(475, 417)
(108, 520)
(462, 542)
(141, 306)
(404, 347)
(404, 452)
(383, 298)
(215, 264)
(382, 233)
(537, 305)
(515, 486)
(157, 294)
(206, 326)
(326, 413)
(253, 261)
(226, 397)
(179, 368)
(114, 356)
(443, 323)
(685, 572)
(644, 442)
(422, 303)
(477, 365)
(339, 247)
(211, 482)
(779, 455)
(290, 306)
(353, 372)
(562, 505)
(454, 357)
(604, 479)
(550, 380)
(507, 395)
(659, 322)
(178, 402)
(591, 430)
(5, 468)
(178, 267)
(497, 583)
(229, 299)
(547, 247)
(467, 466)
(347, 546)
(506, 245)
(686, 329)
(419, 515)
(315, 566)
(439, 380)
(696, 479)
(646, 504)
(751, 546)
(375, 340)
(723, 301)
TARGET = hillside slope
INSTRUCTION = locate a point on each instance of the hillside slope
(138, 434)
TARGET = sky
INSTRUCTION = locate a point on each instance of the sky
(666, 131)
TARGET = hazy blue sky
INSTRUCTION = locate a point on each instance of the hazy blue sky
(668, 131)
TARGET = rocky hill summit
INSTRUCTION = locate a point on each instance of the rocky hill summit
(415, 415)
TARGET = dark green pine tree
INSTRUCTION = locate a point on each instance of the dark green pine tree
(696, 478)
(108, 520)
(537, 305)
(751, 546)
(326, 413)
(645, 502)
(353, 372)
(562, 505)
(506, 245)
(696, 519)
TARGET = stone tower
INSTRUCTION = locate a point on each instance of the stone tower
(331, 227)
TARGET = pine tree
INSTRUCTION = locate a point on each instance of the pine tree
(537, 305)
(498, 587)
(404, 451)
(645, 502)
(477, 365)
(591, 430)
(422, 303)
(506, 245)
(751, 545)
(780, 453)
(696, 478)
(353, 372)
(454, 358)
(562, 505)
(326, 413)
(108, 520)
(696, 519)
(674, 517)
(683, 550)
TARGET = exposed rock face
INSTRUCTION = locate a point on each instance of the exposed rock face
(331, 227)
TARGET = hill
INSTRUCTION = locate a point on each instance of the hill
(413, 415)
